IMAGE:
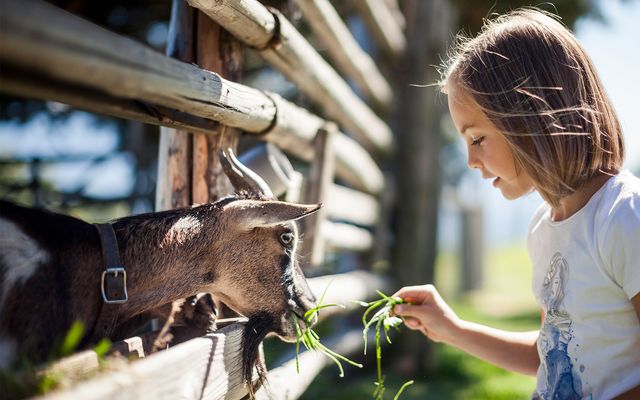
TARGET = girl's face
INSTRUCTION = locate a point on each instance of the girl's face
(487, 147)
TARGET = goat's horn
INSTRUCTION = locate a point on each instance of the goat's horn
(241, 177)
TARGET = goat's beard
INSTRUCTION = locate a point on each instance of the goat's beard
(256, 329)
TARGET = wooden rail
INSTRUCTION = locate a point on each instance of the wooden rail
(345, 52)
(206, 367)
(79, 63)
(270, 33)
(386, 29)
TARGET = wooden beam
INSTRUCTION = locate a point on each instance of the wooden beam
(173, 187)
(71, 49)
(206, 367)
(345, 204)
(288, 51)
(383, 25)
(216, 50)
(345, 52)
(114, 72)
(345, 237)
(320, 178)
(284, 382)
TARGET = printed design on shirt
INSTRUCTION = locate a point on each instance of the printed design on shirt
(562, 382)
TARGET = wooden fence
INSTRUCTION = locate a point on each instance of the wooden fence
(193, 93)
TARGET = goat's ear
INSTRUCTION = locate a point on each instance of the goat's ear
(249, 214)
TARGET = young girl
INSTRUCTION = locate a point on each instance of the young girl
(533, 112)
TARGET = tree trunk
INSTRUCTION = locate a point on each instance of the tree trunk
(419, 113)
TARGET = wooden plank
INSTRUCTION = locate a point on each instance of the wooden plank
(345, 237)
(345, 204)
(216, 50)
(207, 367)
(292, 55)
(95, 69)
(320, 177)
(285, 382)
(345, 52)
(295, 130)
(71, 49)
(173, 187)
(383, 25)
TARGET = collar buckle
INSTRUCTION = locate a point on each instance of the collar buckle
(114, 285)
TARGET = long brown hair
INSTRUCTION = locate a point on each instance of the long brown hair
(534, 81)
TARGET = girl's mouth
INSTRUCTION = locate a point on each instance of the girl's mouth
(495, 182)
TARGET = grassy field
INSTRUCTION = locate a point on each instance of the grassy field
(505, 301)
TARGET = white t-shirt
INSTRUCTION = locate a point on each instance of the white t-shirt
(586, 269)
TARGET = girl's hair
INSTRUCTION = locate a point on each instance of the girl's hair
(538, 86)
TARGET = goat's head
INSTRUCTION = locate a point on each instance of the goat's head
(261, 277)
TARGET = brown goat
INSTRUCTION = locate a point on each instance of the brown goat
(241, 249)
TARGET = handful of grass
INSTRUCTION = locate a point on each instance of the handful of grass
(382, 320)
(311, 340)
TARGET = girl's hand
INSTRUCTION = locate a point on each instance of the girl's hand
(428, 312)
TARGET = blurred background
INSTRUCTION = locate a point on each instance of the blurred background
(55, 156)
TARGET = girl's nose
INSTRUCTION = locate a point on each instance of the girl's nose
(473, 161)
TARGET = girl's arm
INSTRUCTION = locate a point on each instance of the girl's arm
(428, 313)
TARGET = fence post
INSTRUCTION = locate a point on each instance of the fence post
(472, 249)
(321, 174)
(217, 51)
(173, 188)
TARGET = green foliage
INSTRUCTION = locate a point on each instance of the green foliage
(383, 321)
(311, 340)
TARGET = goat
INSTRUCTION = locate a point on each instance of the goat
(241, 249)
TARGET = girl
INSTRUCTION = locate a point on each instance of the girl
(533, 112)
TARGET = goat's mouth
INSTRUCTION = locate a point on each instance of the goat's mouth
(293, 323)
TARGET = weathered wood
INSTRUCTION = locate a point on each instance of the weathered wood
(132, 347)
(396, 12)
(173, 187)
(292, 55)
(207, 367)
(217, 51)
(345, 52)
(71, 49)
(345, 237)
(27, 85)
(295, 130)
(320, 177)
(75, 367)
(383, 26)
(344, 204)
(284, 382)
(118, 71)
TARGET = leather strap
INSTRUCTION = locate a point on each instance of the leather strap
(113, 283)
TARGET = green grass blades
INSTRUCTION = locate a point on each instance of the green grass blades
(382, 321)
(311, 340)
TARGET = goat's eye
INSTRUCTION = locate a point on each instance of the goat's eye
(286, 238)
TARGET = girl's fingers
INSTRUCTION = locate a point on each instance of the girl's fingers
(412, 323)
(416, 294)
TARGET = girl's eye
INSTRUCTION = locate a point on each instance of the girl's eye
(286, 238)
(476, 142)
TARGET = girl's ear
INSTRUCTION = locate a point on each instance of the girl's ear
(249, 214)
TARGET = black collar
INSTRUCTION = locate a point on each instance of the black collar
(113, 283)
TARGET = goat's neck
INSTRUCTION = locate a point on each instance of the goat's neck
(168, 256)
